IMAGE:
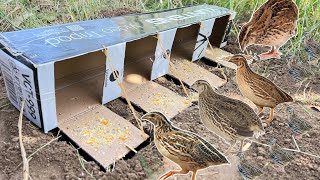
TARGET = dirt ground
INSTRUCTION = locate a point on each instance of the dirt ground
(60, 160)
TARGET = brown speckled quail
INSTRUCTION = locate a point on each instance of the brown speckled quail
(273, 24)
(186, 149)
(231, 119)
(260, 90)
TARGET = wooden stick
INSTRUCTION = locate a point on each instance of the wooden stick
(287, 149)
(212, 50)
(295, 142)
(82, 164)
(172, 65)
(124, 92)
(23, 151)
(39, 149)
(131, 148)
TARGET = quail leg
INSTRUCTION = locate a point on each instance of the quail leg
(194, 173)
(230, 148)
(270, 117)
(259, 110)
(171, 173)
(241, 145)
(273, 53)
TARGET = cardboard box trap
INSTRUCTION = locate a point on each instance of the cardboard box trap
(65, 78)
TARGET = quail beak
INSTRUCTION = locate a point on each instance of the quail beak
(146, 117)
(193, 87)
(232, 61)
(242, 47)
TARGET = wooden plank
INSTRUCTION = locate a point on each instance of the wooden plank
(222, 57)
(189, 72)
(151, 96)
(102, 134)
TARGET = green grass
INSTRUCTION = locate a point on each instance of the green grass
(23, 14)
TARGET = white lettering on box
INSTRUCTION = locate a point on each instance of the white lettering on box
(55, 41)
(196, 13)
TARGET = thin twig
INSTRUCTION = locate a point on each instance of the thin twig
(131, 148)
(23, 151)
(4, 105)
(304, 90)
(295, 142)
(212, 50)
(124, 92)
(172, 66)
(39, 149)
(287, 149)
(81, 161)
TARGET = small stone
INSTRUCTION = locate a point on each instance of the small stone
(287, 140)
(15, 139)
(260, 158)
(138, 167)
(34, 132)
(132, 176)
(261, 150)
(281, 124)
(53, 177)
(310, 166)
(81, 175)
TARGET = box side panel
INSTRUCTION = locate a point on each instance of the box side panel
(161, 64)
(20, 85)
(202, 40)
(111, 89)
(47, 96)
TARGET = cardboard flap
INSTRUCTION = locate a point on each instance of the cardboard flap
(103, 134)
(154, 97)
(190, 72)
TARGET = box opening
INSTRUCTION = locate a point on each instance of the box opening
(79, 84)
(185, 41)
(218, 31)
(138, 62)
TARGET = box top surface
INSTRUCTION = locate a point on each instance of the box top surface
(53, 43)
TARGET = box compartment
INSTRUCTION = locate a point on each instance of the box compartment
(185, 41)
(219, 31)
(139, 57)
(78, 84)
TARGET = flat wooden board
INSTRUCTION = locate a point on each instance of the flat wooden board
(222, 57)
(189, 72)
(154, 97)
(103, 134)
